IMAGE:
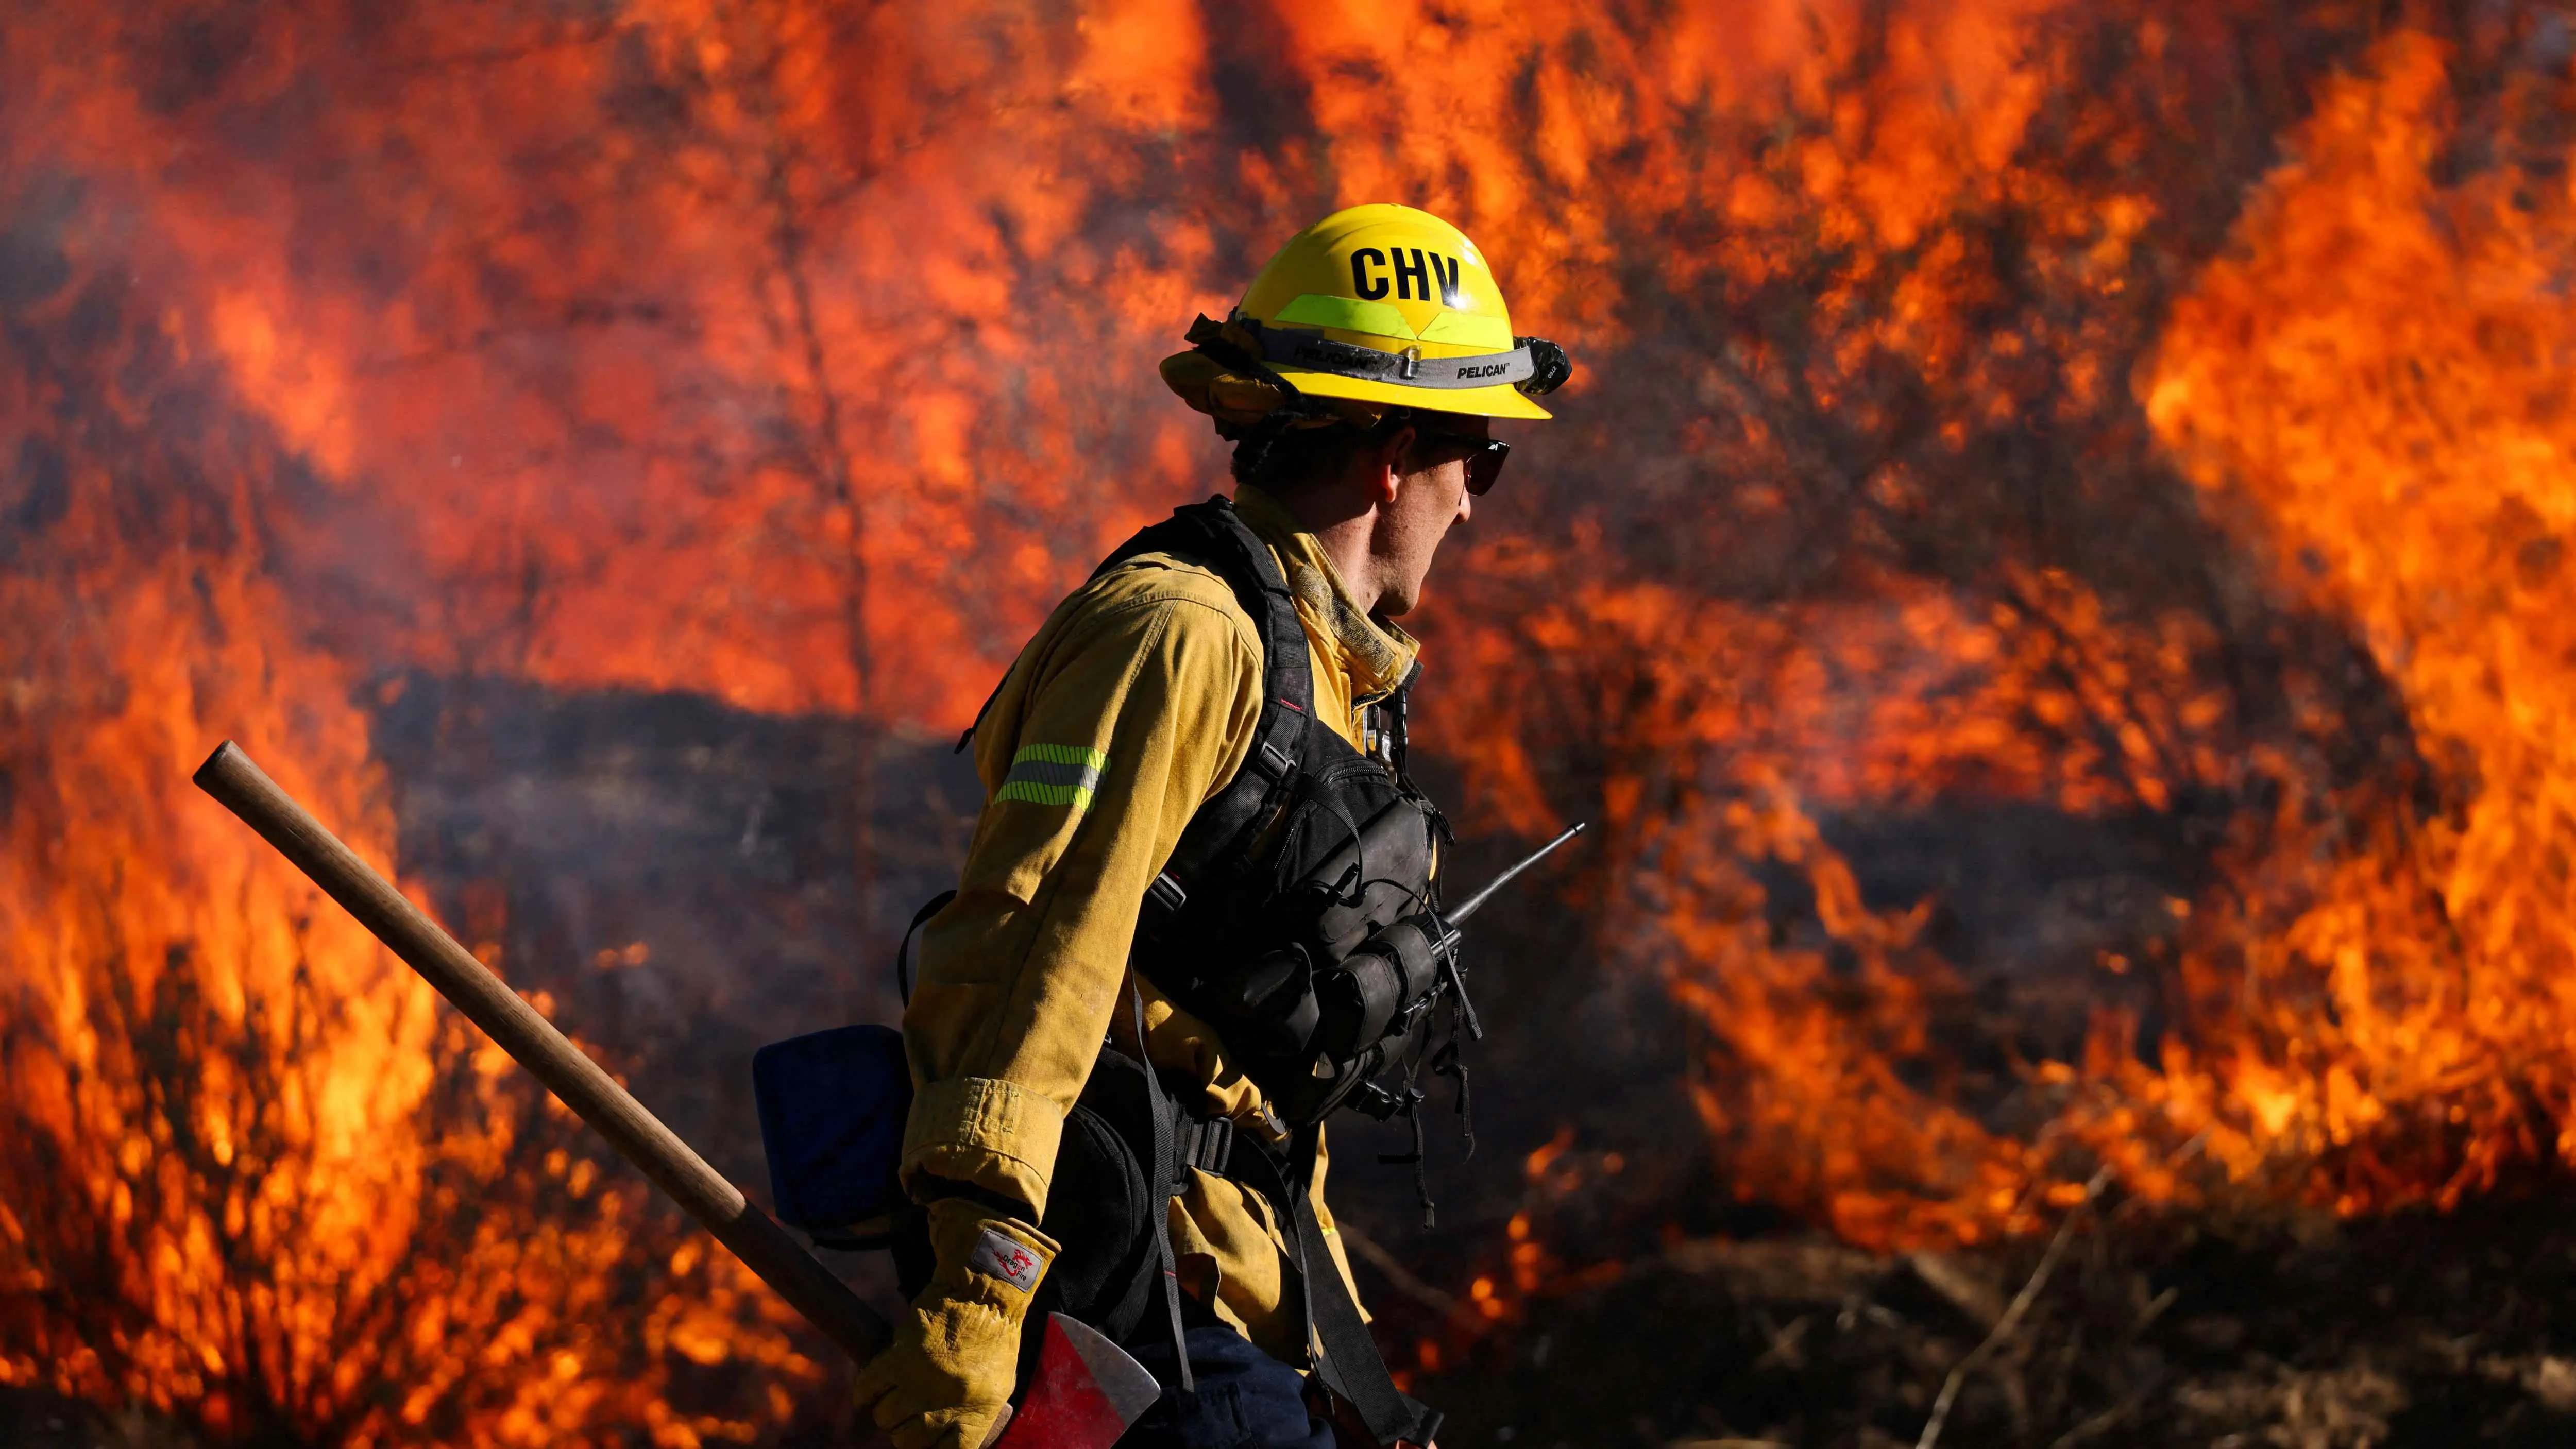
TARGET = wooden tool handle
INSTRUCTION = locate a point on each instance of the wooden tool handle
(526, 1035)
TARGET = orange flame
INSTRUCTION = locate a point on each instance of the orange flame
(2376, 380)
(2374, 1004)
(247, 1173)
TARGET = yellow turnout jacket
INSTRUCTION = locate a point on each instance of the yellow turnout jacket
(1133, 705)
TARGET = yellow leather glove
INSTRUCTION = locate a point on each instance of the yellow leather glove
(947, 1379)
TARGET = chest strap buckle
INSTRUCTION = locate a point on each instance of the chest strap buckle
(1206, 1144)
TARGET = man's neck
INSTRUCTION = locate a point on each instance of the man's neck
(1341, 536)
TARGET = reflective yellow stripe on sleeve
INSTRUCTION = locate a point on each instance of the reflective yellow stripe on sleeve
(1053, 775)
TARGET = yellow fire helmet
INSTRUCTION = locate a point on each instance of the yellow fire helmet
(1373, 308)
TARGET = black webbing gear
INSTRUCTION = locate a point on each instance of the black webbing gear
(1392, 715)
(903, 951)
(1213, 526)
(1390, 711)
(1237, 555)
(1449, 1064)
(1210, 902)
(1206, 1143)
(1159, 1112)
(1408, 1104)
(1346, 1357)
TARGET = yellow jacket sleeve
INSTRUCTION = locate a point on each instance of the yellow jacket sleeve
(1134, 703)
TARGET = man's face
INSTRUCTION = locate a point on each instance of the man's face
(1431, 498)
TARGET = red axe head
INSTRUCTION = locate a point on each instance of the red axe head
(1087, 1391)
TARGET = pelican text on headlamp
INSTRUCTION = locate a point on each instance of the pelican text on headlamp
(1411, 275)
(1322, 354)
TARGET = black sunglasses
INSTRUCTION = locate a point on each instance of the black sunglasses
(1484, 456)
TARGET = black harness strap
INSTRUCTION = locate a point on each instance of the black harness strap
(1159, 1201)
(1346, 1357)
(903, 953)
(1212, 531)
(1214, 534)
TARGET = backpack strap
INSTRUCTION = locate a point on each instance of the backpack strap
(1159, 1173)
(1345, 1356)
(1212, 534)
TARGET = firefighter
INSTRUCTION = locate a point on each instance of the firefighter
(1178, 769)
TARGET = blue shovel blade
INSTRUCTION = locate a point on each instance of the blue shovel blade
(832, 1108)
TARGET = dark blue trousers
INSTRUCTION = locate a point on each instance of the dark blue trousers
(1245, 1400)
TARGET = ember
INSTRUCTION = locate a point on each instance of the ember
(2050, 588)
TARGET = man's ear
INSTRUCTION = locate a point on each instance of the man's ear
(1387, 464)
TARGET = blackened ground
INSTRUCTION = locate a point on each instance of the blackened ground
(2410, 1332)
(34, 1419)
